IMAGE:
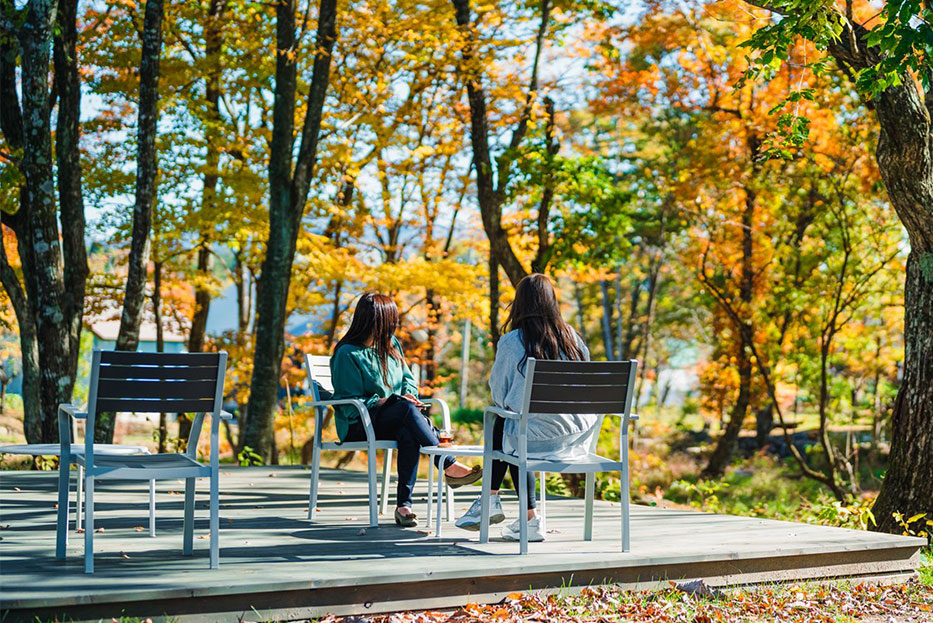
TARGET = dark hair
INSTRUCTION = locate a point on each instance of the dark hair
(376, 317)
(536, 313)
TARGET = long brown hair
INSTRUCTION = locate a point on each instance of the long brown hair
(536, 313)
(376, 317)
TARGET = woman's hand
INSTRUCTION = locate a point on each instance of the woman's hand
(413, 400)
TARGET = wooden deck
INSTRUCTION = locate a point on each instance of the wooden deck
(277, 565)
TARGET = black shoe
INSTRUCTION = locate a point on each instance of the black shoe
(406, 521)
(469, 479)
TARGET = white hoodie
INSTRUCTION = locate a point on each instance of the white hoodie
(552, 436)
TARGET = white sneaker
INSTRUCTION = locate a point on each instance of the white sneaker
(513, 531)
(472, 518)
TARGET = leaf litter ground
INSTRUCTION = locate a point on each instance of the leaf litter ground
(911, 602)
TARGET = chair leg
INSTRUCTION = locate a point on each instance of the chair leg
(152, 531)
(588, 513)
(523, 508)
(187, 548)
(64, 499)
(625, 497)
(315, 475)
(89, 524)
(79, 503)
(542, 485)
(430, 489)
(386, 463)
(449, 506)
(373, 490)
(441, 487)
(484, 513)
(215, 518)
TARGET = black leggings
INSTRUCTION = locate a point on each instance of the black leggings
(499, 467)
(404, 423)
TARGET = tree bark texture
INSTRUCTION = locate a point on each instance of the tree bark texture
(146, 171)
(134, 297)
(727, 442)
(490, 186)
(288, 194)
(44, 302)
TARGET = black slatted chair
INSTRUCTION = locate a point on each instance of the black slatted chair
(578, 387)
(146, 383)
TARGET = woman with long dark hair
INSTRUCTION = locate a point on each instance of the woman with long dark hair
(535, 329)
(368, 364)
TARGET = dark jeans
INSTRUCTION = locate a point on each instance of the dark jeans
(499, 467)
(404, 423)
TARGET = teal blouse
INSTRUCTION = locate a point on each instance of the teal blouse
(356, 373)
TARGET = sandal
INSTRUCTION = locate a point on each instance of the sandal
(469, 479)
(406, 521)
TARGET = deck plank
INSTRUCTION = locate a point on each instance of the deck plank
(276, 563)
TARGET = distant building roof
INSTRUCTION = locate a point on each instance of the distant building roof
(109, 329)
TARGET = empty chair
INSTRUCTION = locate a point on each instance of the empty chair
(146, 383)
(575, 387)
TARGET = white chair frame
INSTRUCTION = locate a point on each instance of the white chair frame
(589, 465)
(318, 372)
(146, 396)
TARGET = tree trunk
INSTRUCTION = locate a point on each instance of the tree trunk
(581, 318)
(430, 356)
(37, 230)
(726, 444)
(28, 341)
(146, 172)
(68, 159)
(908, 486)
(607, 319)
(160, 337)
(490, 186)
(202, 299)
(288, 193)
(493, 301)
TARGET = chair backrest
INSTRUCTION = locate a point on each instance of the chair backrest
(579, 387)
(318, 368)
(126, 381)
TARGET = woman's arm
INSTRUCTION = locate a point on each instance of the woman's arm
(348, 378)
(409, 385)
(503, 373)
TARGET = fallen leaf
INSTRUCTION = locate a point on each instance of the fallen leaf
(80, 530)
(351, 518)
(272, 475)
(16, 488)
(362, 532)
(124, 555)
(99, 530)
(138, 528)
(202, 536)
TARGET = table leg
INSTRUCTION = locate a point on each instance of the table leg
(441, 485)
(430, 489)
(79, 503)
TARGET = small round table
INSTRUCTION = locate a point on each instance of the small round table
(104, 449)
(443, 452)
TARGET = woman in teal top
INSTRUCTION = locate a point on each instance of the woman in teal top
(368, 365)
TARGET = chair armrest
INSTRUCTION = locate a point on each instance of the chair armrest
(445, 410)
(360, 407)
(70, 409)
(632, 417)
(505, 413)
